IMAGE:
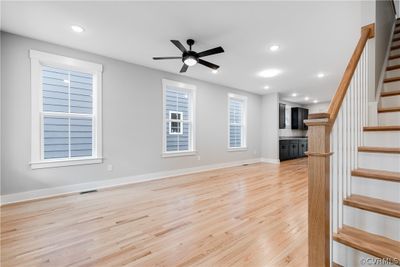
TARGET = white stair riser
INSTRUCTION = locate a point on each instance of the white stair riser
(395, 52)
(389, 118)
(385, 190)
(390, 101)
(379, 161)
(384, 139)
(372, 222)
(393, 62)
(393, 86)
(392, 73)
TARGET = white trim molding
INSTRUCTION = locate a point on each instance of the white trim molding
(38, 60)
(267, 160)
(65, 162)
(384, 66)
(76, 188)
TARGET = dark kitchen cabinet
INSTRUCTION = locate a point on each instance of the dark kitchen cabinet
(282, 116)
(303, 147)
(284, 149)
(293, 149)
(298, 117)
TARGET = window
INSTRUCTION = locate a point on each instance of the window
(178, 118)
(175, 122)
(237, 106)
(66, 112)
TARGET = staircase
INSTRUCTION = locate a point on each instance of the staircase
(371, 213)
(354, 168)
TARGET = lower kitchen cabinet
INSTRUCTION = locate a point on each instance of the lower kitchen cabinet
(284, 149)
(292, 148)
(303, 147)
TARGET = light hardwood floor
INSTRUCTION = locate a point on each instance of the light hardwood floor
(253, 215)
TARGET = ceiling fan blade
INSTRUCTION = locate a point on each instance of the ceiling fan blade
(209, 52)
(159, 58)
(184, 68)
(179, 45)
(208, 64)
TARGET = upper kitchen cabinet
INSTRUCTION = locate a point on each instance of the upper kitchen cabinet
(282, 116)
(298, 117)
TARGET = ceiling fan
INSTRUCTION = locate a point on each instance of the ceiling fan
(191, 58)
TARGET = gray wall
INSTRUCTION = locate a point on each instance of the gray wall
(132, 101)
(270, 126)
(383, 22)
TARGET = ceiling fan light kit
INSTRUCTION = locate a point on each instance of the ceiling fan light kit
(191, 58)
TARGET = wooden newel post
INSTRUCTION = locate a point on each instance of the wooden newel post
(319, 129)
(318, 190)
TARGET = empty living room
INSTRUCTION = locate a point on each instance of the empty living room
(200, 133)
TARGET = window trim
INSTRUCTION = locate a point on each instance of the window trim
(188, 87)
(243, 146)
(38, 59)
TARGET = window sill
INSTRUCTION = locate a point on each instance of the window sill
(178, 154)
(235, 149)
(64, 162)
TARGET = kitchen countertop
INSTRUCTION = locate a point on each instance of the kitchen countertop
(293, 137)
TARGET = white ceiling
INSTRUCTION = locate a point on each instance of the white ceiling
(313, 36)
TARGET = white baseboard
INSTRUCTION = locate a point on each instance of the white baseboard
(267, 160)
(75, 188)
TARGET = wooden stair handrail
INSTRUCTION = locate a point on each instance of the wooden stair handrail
(319, 130)
(367, 32)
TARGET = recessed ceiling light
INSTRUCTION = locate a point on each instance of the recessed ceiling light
(294, 94)
(266, 87)
(214, 71)
(306, 98)
(274, 48)
(315, 101)
(320, 75)
(268, 73)
(77, 28)
(66, 81)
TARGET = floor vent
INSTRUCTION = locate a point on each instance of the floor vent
(245, 164)
(87, 192)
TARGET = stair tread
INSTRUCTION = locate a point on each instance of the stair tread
(369, 243)
(374, 205)
(390, 80)
(373, 149)
(377, 174)
(395, 47)
(394, 57)
(391, 109)
(396, 39)
(381, 128)
(390, 93)
(394, 67)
